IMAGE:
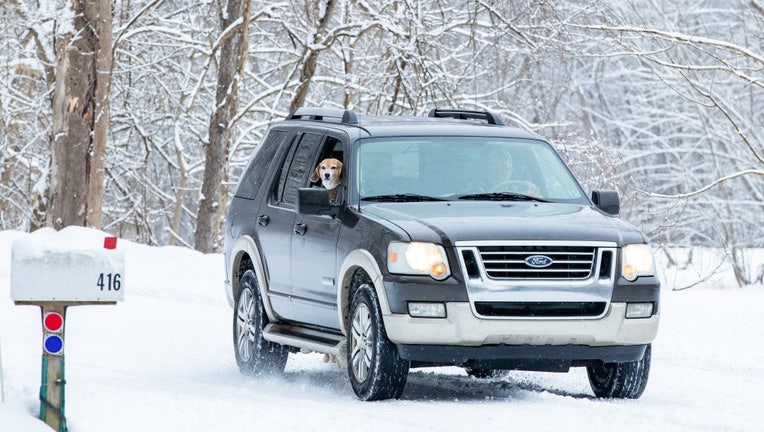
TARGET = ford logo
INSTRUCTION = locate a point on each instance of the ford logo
(538, 261)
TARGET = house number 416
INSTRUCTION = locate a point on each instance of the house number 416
(109, 281)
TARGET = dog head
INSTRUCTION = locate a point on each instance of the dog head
(329, 171)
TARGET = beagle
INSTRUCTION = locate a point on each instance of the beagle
(329, 172)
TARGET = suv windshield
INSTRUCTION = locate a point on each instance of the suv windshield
(469, 168)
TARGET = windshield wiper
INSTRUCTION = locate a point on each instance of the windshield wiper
(501, 196)
(404, 197)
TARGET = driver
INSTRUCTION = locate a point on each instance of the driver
(498, 172)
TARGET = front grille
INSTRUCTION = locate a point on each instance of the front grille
(540, 309)
(552, 262)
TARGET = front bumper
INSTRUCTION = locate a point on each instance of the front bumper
(553, 358)
(462, 328)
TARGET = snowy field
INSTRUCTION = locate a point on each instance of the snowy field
(162, 360)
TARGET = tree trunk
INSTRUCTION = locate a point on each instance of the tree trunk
(78, 136)
(310, 56)
(177, 212)
(233, 55)
(102, 16)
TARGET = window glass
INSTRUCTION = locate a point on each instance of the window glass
(334, 148)
(297, 167)
(450, 167)
(253, 177)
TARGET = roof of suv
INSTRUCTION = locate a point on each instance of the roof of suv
(438, 122)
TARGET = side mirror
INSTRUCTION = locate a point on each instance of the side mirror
(315, 201)
(607, 200)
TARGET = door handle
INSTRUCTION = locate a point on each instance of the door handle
(300, 229)
(263, 220)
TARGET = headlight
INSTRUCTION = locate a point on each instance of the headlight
(418, 258)
(637, 260)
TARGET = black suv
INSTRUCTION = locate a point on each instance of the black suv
(451, 240)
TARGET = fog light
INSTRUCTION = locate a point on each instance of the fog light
(639, 310)
(427, 310)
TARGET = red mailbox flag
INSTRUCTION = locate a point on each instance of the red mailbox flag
(110, 243)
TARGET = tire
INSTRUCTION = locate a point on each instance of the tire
(254, 355)
(620, 380)
(376, 370)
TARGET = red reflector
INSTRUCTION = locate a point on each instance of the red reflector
(53, 322)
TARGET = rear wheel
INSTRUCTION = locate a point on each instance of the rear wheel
(620, 380)
(254, 354)
(376, 370)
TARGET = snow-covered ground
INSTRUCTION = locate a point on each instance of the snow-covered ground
(162, 360)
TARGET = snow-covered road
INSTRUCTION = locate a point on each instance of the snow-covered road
(162, 360)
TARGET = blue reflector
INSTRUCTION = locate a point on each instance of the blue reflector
(54, 344)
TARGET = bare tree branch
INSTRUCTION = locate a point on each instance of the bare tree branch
(708, 187)
(679, 37)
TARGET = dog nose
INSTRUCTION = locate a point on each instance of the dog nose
(327, 175)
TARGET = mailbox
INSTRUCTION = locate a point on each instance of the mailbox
(54, 270)
(70, 265)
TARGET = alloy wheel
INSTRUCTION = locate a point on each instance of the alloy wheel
(362, 334)
(245, 322)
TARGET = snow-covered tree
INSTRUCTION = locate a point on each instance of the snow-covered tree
(662, 100)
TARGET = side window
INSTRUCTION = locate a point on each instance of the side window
(334, 148)
(296, 168)
(253, 177)
(284, 171)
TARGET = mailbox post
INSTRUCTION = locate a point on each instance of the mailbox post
(47, 271)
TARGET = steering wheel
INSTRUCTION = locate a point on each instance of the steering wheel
(519, 186)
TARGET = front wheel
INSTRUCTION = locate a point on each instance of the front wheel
(376, 370)
(620, 380)
(254, 354)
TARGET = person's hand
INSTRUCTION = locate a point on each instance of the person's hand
(519, 186)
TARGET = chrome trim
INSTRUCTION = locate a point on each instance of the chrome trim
(482, 288)
(539, 261)
(514, 262)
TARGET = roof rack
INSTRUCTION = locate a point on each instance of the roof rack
(343, 116)
(487, 116)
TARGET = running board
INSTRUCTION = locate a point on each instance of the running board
(306, 338)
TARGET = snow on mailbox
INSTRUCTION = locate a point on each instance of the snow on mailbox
(72, 265)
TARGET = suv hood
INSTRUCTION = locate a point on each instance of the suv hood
(454, 221)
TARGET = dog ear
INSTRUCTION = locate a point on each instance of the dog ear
(340, 166)
(315, 176)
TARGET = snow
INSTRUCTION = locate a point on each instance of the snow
(162, 360)
(72, 260)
